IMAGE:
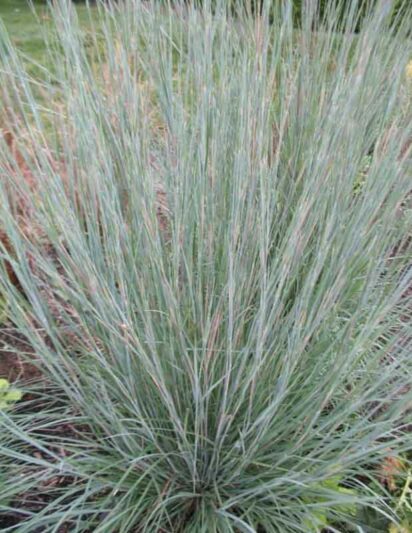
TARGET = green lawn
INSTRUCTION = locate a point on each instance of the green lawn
(28, 30)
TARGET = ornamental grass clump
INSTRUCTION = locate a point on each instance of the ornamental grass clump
(216, 287)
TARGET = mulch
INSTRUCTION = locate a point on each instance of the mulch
(15, 355)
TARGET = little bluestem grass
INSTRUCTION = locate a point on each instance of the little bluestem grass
(219, 310)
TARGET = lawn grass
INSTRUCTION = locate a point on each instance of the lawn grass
(30, 27)
(24, 27)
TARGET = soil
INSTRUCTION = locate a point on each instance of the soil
(15, 355)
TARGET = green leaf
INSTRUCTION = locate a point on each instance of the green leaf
(4, 384)
(13, 395)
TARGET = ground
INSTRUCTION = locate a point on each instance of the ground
(28, 29)
(24, 28)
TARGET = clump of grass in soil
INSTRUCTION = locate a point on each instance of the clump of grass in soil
(221, 312)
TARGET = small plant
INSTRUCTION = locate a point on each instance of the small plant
(320, 517)
(9, 395)
(405, 499)
(401, 486)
